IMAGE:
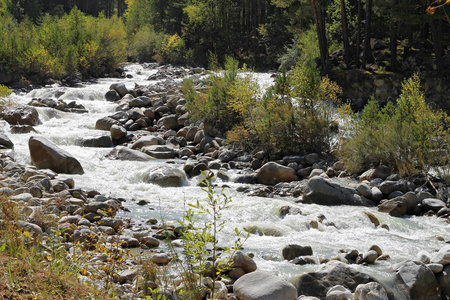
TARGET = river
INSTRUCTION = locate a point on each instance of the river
(406, 238)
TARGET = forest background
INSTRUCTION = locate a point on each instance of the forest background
(48, 38)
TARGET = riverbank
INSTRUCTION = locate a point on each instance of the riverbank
(276, 222)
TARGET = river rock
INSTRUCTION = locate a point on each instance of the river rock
(227, 155)
(147, 140)
(159, 151)
(112, 95)
(272, 173)
(5, 141)
(364, 190)
(324, 191)
(333, 273)
(140, 101)
(377, 195)
(125, 153)
(166, 176)
(387, 187)
(443, 279)
(46, 155)
(432, 204)
(292, 251)
(370, 291)
(105, 123)
(442, 256)
(338, 292)
(23, 115)
(120, 88)
(101, 141)
(396, 207)
(170, 122)
(418, 281)
(263, 286)
(125, 276)
(117, 132)
(380, 171)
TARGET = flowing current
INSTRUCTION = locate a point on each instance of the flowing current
(353, 230)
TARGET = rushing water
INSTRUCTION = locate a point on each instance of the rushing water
(352, 230)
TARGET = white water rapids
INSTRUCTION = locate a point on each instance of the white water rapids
(405, 239)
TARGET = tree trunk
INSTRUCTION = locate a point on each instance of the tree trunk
(319, 18)
(345, 34)
(393, 39)
(367, 49)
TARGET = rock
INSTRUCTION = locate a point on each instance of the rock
(227, 155)
(338, 292)
(166, 176)
(443, 279)
(170, 122)
(20, 129)
(149, 241)
(161, 259)
(377, 195)
(311, 159)
(46, 155)
(292, 251)
(435, 268)
(125, 276)
(333, 273)
(388, 187)
(432, 204)
(364, 190)
(372, 218)
(240, 260)
(102, 141)
(263, 286)
(272, 173)
(324, 191)
(124, 153)
(147, 140)
(419, 281)
(5, 141)
(377, 249)
(396, 207)
(140, 101)
(117, 132)
(370, 291)
(34, 230)
(120, 88)
(115, 224)
(128, 242)
(105, 123)
(379, 172)
(112, 96)
(412, 202)
(23, 115)
(159, 151)
(442, 256)
(370, 256)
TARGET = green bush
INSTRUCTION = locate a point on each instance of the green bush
(405, 136)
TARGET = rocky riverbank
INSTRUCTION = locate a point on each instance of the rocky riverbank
(152, 123)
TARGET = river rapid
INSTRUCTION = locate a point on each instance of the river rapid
(123, 179)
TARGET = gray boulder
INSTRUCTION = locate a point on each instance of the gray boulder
(166, 176)
(272, 173)
(380, 171)
(120, 88)
(147, 140)
(124, 153)
(141, 101)
(396, 207)
(23, 115)
(432, 204)
(117, 132)
(5, 141)
(112, 95)
(387, 187)
(292, 251)
(333, 273)
(46, 155)
(418, 281)
(443, 279)
(370, 291)
(103, 141)
(263, 286)
(105, 123)
(334, 191)
(159, 151)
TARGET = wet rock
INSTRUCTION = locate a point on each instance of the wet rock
(370, 256)
(5, 142)
(332, 192)
(396, 207)
(117, 132)
(370, 291)
(46, 155)
(102, 141)
(23, 115)
(112, 96)
(166, 176)
(125, 153)
(333, 273)
(272, 173)
(292, 251)
(120, 88)
(263, 286)
(417, 280)
(105, 123)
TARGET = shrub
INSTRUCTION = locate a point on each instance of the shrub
(404, 136)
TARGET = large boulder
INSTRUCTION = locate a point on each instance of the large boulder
(324, 191)
(443, 279)
(263, 286)
(46, 155)
(370, 291)
(147, 140)
(292, 251)
(396, 207)
(5, 141)
(272, 173)
(124, 153)
(23, 115)
(333, 273)
(418, 280)
(96, 141)
(106, 123)
(120, 88)
(380, 171)
(166, 176)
